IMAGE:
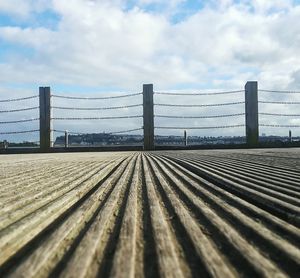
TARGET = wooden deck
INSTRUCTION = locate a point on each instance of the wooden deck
(231, 213)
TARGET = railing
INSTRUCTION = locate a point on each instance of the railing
(214, 116)
(28, 112)
(250, 109)
(278, 105)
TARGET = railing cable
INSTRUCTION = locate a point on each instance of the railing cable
(199, 117)
(96, 108)
(199, 94)
(97, 118)
(18, 99)
(19, 110)
(20, 121)
(126, 131)
(69, 132)
(114, 132)
(280, 92)
(279, 114)
(199, 105)
(19, 132)
(271, 125)
(96, 98)
(200, 127)
(279, 102)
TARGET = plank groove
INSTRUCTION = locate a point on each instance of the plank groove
(221, 213)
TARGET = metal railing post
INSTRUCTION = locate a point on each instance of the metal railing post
(148, 117)
(46, 137)
(185, 138)
(66, 139)
(251, 112)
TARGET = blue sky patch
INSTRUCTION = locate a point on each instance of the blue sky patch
(47, 19)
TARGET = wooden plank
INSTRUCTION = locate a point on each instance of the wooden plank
(220, 213)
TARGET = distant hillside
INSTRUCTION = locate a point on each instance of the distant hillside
(99, 139)
(122, 139)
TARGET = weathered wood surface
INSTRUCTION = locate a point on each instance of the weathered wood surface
(148, 214)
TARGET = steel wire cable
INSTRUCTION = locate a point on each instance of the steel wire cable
(18, 99)
(200, 117)
(198, 94)
(271, 125)
(114, 132)
(19, 132)
(199, 105)
(20, 121)
(279, 114)
(200, 127)
(96, 108)
(69, 132)
(280, 92)
(96, 118)
(279, 102)
(63, 131)
(96, 98)
(126, 131)
(19, 110)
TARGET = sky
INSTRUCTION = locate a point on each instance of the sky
(106, 47)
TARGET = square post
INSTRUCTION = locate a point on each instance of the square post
(251, 111)
(148, 117)
(46, 136)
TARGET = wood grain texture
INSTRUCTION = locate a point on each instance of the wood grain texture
(215, 213)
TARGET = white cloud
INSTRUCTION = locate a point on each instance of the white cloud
(129, 47)
(101, 44)
(15, 7)
(23, 8)
(170, 3)
(264, 6)
(36, 38)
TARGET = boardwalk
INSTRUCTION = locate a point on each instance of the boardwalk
(233, 213)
